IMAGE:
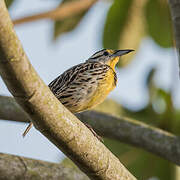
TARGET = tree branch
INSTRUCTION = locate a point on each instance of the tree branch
(64, 11)
(135, 133)
(129, 131)
(175, 14)
(48, 115)
(16, 167)
(10, 110)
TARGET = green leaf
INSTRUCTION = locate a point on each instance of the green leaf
(141, 164)
(148, 165)
(68, 24)
(149, 77)
(115, 23)
(9, 3)
(158, 21)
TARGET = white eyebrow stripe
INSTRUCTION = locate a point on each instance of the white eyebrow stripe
(97, 54)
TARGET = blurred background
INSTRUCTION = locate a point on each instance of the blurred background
(148, 82)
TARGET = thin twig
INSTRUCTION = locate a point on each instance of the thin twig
(59, 13)
(16, 167)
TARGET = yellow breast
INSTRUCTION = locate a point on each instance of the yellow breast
(105, 86)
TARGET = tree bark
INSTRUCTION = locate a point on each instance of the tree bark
(10, 110)
(48, 115)
(125, 130)
(21, 168)
(135, 133)
(175, 14)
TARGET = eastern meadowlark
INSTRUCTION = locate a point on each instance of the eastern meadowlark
(87, 84)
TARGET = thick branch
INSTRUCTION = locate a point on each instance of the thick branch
(175, 14)
(10, 110)
(125, 130)
(61, 12)
(16, 167)
(136, 133)
(48, 115)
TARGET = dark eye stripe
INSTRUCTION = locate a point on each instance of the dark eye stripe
(105, 53)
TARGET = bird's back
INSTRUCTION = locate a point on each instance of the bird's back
(84, 86)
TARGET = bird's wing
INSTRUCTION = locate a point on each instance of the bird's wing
(63, 80)
(79, 78)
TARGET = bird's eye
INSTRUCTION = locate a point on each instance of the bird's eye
(105, 53)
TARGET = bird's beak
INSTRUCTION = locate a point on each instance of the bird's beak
(121, 52)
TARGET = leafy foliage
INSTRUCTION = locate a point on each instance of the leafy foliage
(140, 163)
(115, 23)
(126, 21)
(158, 21)
(68, 24)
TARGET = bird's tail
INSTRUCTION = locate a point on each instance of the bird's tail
(27, 129)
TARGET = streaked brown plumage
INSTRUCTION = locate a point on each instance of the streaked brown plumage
(76, 87)
(86, 85)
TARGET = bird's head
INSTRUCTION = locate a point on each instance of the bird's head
(108, 56)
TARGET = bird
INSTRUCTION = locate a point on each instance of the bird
(84, 86)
